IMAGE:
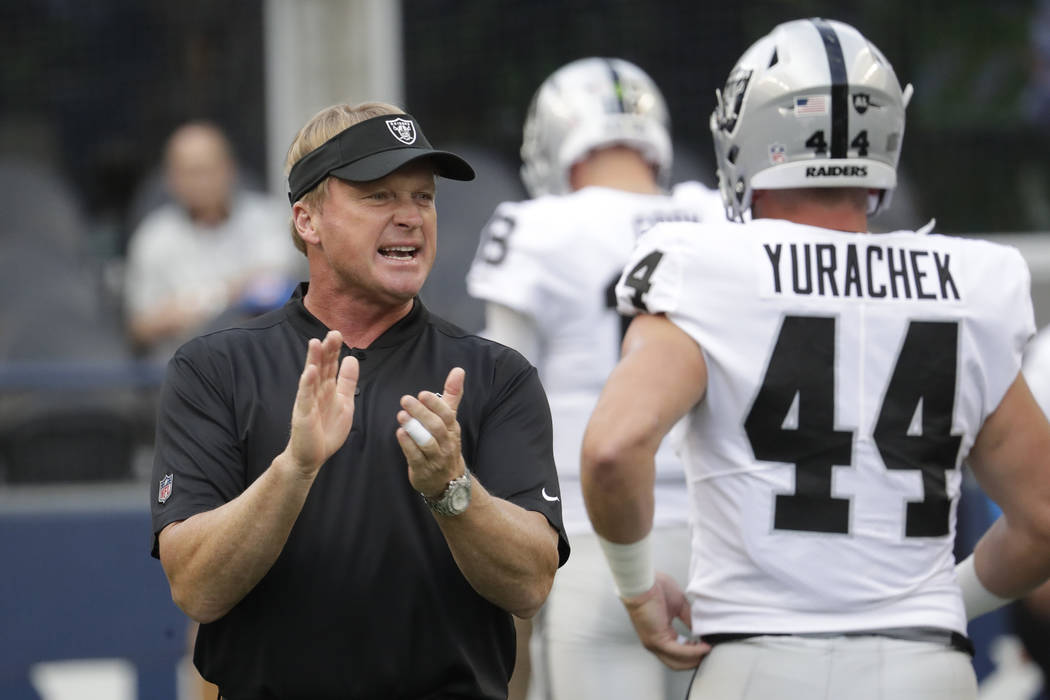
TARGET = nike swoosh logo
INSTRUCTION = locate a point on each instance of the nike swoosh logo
(543, 492)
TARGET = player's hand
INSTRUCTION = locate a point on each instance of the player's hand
(324, 404)
(652, 614)
(439, 459)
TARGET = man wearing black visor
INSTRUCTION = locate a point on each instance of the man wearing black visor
(379, 545)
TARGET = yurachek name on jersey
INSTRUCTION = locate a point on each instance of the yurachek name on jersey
(867, 271)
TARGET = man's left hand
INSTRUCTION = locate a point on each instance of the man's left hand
(439, 460)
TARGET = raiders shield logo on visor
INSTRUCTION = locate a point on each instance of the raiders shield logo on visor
(402, 129)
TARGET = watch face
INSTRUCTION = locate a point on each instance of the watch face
(455, 499)
(460, 500)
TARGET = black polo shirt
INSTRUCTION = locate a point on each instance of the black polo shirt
(365, 600)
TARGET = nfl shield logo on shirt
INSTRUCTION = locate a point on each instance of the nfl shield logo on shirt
(402, 129)
(165, 489)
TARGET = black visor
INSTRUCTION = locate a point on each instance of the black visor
(370, 150)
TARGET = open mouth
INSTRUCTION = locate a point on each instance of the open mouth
(400, 252)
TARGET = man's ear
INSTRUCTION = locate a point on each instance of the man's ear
(302, 217)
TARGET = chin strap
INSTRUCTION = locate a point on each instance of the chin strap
(928, 228)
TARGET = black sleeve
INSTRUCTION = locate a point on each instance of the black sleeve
(197, 463)
(515, 454)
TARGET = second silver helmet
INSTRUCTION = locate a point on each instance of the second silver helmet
(588, 104)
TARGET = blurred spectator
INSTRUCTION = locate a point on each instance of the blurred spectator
(53, 305)
(68, 405)
(215, 251)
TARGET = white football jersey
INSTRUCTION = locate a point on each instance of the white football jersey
(557, 259)
(848, 376)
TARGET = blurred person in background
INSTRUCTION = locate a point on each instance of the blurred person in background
(833, 382)
(596, 154)
(339, 528)
(214, 249)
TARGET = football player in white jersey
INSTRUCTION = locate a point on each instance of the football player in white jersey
(832, 381)
(596, 158)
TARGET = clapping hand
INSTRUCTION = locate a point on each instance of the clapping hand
(439, 459)
(324, 404)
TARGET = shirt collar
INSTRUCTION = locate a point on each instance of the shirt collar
(310, 326)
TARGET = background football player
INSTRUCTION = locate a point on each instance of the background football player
(597, 162)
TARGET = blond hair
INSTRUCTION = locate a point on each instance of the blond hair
(321, 127)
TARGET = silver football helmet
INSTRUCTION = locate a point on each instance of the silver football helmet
(811, 104)
(588, 104)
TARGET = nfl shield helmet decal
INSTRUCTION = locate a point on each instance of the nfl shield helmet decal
(403, 130)
(165, 488)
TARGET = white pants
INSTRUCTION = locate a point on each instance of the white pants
(589, 646)
(835, 668)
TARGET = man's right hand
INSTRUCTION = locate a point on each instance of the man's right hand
(324, 405)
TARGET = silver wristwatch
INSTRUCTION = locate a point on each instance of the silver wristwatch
(456, 497)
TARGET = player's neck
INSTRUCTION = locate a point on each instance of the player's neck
(834, 221)
(842, 215)
(618, 167)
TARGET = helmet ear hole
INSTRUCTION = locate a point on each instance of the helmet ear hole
(589, 104)
(811, 104)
